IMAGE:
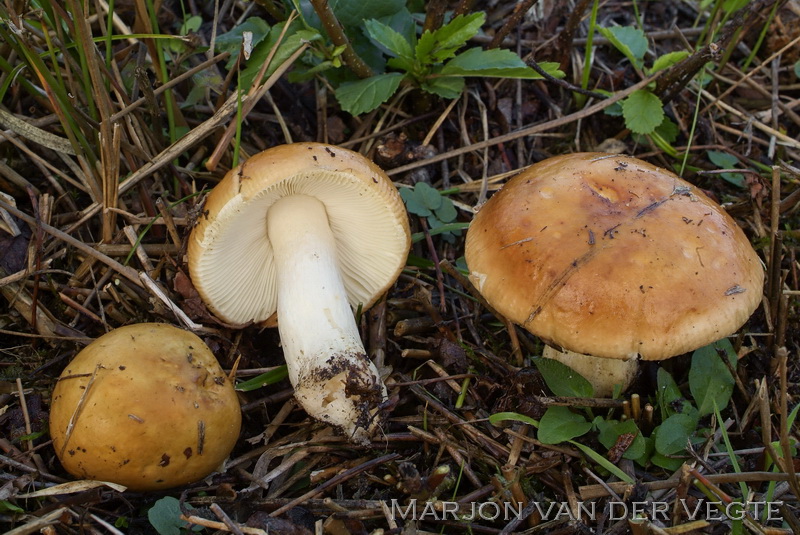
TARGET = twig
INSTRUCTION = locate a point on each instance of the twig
(127, 272)
(344, 476)
(531, 130)
(335, 31)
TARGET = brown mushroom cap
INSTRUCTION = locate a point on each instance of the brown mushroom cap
(611, 256)
(230, 256)
(146, 406)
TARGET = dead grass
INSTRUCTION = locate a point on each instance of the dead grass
(104, 170)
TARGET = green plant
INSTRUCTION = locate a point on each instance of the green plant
(710, 385)
(165, 517)
(643, 110)
(437, 209)
(432, 63)
(724, 160)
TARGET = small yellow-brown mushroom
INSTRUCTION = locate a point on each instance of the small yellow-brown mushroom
(146, 406)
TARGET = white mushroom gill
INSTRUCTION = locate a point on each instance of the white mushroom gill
(332, 376)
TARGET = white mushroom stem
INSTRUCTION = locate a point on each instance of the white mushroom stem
(332, 376)
(603, 373)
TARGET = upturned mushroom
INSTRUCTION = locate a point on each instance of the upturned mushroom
(309, 232)
(146, 406)
(609, 256)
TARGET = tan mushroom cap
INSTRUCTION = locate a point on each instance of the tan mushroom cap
(230, 257)
(146, 406)
(611, 256)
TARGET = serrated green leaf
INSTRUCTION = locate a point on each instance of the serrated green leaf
(629, 40)
(710, 381)
(366, 95)
(672, 436)
(352, 13)
(448, 87)
(668, 130)
(402, 64)
(668, 60)
(386, 36)
(497, 62)
(232, 41)
(442, 44)
(643, 112)
(560, 424)
(563, 380)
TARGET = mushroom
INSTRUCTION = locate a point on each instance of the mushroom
(146, 406)
(310, 231)
(609, 256)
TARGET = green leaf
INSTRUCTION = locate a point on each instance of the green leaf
(496, 418)
(447, 228)
(8, 507)
(294, 39)
(563, 380)
(496, 62)
(232, 41)
(445, 87)
(710, 381)
(165, 516)
(724, 160)
(352, 13)
(192, 24)
(602, 461)
(610, 430)
(446, 212)
(366, 95)
(667, 393)
(560, 424)
(428, 196)
(668, 130)
(271, 377)
(414, 204)
(643, 112)
(673, 434)
(665, 462)
(668, 60)
(797, 68)
(435, 47)
(390, 39)
(629, 40)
